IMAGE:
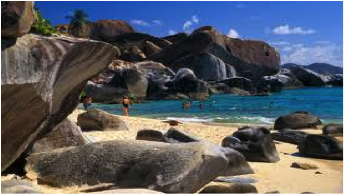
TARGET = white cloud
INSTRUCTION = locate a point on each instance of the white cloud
(304, 55)
(233, 33)
(189, 23)
(157, 22)
(279, 43)
(139, 22)
(286, 30)
(172, 32)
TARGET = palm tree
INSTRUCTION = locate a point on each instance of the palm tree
(78, 20)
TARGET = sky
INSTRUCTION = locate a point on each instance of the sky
(303, 32)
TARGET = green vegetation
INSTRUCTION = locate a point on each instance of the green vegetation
(42, 26)
(78, 20)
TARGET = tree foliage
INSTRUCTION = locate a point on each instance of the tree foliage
(42, 26)
(78, 20)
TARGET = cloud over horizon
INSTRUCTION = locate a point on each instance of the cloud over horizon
(233, 33)
(287, 30)
(139, 22)
(193, 21)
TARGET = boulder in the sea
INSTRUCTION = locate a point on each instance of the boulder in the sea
(255, 144)
(19, 187)
(103, 93)
(321, 146)
(269, 84)
(228, 188)
(205, 66)
(169, 168)
(297, 120)
(239, 82)
(40, 87)
(97, 120)
(303, 166)
(289, 136)
(307, 77)
(288, 82)
(16, 18)
(65, 134)
(332, 129)
(251, 59)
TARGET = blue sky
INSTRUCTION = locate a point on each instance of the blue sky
(303, 32)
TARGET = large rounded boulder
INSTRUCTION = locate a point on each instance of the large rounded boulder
(321, 146)
(335, 129)
(239, 82)
(169, 168)
(289, 136)
(16, 18)
(307, 77)
(255, 144)
(297, 120)
(269, 84)
(39, 89)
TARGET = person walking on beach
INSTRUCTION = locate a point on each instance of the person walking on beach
(87, 102)
(125, 102)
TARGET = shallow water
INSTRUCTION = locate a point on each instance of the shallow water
(326, 103)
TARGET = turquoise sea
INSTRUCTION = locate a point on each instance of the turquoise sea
(326, 103)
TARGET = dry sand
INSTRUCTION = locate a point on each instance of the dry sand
(271, 176)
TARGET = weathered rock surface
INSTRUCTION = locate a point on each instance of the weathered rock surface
(336, 80)
(175, 38)
(39, 88)
(205, 66)
(332, 129)
(303, 166)
(128, 191)
(96, 119)
(255, 144)
(149, 48)
(65, 134)
(18, 187)
(171, 168)
(269, 84)
(103, 30)
(103, 93)
(134, 54)
(150, 135)
(307, 77)
(228, 188)
(289, 136)
(171, 136)
(17, 18)
(251, 59)
(288, 82)
(297, 120)
(238, 82)
(321, 146)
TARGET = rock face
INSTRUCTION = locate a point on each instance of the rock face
(149, 48)
(103, 30)
(17, 18)
(336, 80)
(255, 144)
(134, 54)
(289, 136)
(269, 84)
(251, 59)
(332, 129)
(39, 88)
(307, 77)
(288, 82)
(175, 38)
(96, 119)
(239, 82)
(297, 120)
(66, 134)
(169, 168)
(228, 188)
(205, 66)
(18, 187)
(321, 146)
(103, 93)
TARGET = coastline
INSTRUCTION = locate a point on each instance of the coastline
(271, 176)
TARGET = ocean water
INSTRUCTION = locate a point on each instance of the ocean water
(325, 102)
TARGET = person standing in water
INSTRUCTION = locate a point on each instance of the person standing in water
(125, 102)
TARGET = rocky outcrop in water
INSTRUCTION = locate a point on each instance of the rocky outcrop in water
(297, 120)
(169, 168)
(16, 18)
(269, 84)
(255, 144)
(65, 134)
(321, 146)
(239, 82)
(251, 59)
(98, 120)
(39, 86)
(306, 76)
